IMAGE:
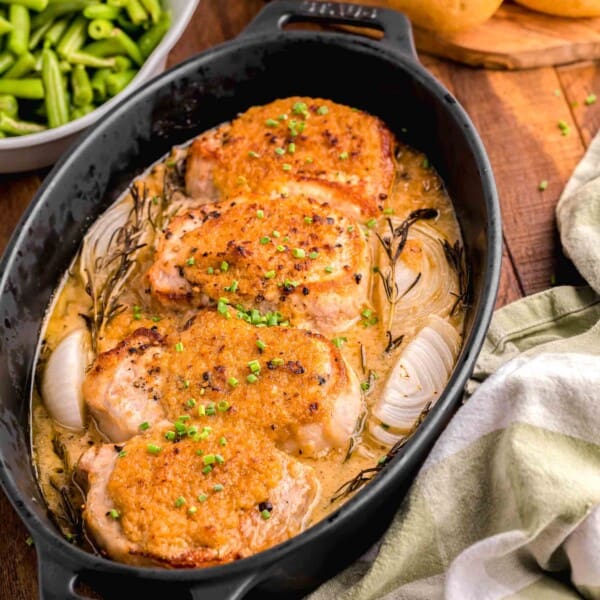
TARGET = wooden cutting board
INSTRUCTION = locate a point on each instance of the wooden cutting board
(517, 38)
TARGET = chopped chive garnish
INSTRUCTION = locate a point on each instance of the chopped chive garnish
(282, 117)
(269, 274)
(388, 211)
(113, 513)
(350, 228)
(218, 488)
(309, 161)
(298, 253)
(156, 319)
(265, 514)
(123, 454)
(202, 498)
(279, 151)
(322, 110)
(153, 448)
(564, 127)
(191, 402)
(338, 342)
(29, 541)
(179, 502)
(313, 255)
(210, 270)
(186, 383)
(344, 156)
(179, 347)
(170, 435)
(280, 248)
(223, 405)
(253, 154)
(371, 223)
(207, 469)
(232, 381)
(278, 362)
(291, 148)
(260, 214)
(260, 345)
(192, 510)
(222, 441)
(252, 378)
(190, 261)
(224, 266)
(220, 460)
(543, 185)
(137, 312)
(329, 269)
(308, 220)
(271, 123)
(287, 167)
(254, 366)
(145, 425)
(209, 459)
(426, 163)
(300, 108)
(275, 233)
(265, 239)
(591, 99)
(364, 386)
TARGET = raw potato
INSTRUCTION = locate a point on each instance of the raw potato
(565, 8)
(446, 16)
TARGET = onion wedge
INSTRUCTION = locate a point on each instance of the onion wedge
(63, 377)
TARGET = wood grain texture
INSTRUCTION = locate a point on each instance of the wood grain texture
(517, 38)
(517, 115)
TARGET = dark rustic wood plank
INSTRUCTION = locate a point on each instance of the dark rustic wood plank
(517, 114)
(579, 82)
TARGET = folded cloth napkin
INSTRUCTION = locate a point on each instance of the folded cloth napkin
(507, 504)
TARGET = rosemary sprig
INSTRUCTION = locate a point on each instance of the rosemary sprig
(393, 342)
(106, 275)
(365, 475)
(393, 244)
(455, 256)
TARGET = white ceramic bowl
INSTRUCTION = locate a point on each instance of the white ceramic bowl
(43, 149)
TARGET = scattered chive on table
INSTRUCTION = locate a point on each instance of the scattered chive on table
(536, 125)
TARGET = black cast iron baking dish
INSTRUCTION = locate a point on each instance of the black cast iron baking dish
(264, 63)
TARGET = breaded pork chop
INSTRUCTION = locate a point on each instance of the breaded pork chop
(290, 383)
(194, 500)
(295, 140)
(296, 256)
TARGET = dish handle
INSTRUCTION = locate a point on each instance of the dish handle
(55, 579)
(396, 28)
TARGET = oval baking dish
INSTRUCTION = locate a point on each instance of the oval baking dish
(382, 77)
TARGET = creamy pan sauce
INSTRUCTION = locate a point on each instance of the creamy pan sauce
(419, 274)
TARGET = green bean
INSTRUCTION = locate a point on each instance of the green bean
(58, 9)
(129, 46)
(7, 60)
(24, 65)
(122, 63)
(9, 105)
(137, 13)
(81, 111)
(65, 66)
(89, 60)
(5, 26)
(18, 39)
(101, 11)
(104, 48)
(99, 84)
(13, 127)
(73, 38)
(36, 5)
(81, 86)
(56, 98)
(56, 31)
(149, 40)
(153, 7)
(38, 34)
(119, 3)
(30, 89)
(116, 82)
(126, 25)
(100, 29)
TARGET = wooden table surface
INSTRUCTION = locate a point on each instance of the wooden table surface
(517, 115)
